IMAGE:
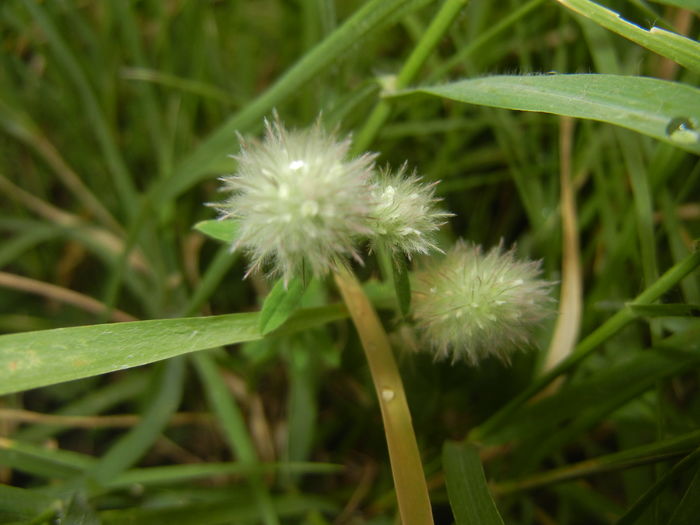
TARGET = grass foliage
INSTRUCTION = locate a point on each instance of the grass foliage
(145, 381)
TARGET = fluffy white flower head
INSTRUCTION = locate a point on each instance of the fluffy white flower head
(405, 216)
(299, 200)
(472, 305)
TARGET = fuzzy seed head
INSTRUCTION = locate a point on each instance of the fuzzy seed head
(471, 305)
(299, 201)
(405, 215)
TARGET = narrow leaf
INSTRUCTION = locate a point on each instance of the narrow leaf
(467, 490)
(22, 502)
(34, 359)
(665, 110)
(280, 303)
(680, 49)
(224, 231)
(131, 447)
(666, 310)
(688, 509)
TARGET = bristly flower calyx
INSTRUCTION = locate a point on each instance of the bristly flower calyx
(302, 203)
(471, 305)
(405, 215)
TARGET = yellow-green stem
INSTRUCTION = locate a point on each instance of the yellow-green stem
(409, 479)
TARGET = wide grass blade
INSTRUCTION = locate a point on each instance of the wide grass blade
(665, 110)
(34, 359)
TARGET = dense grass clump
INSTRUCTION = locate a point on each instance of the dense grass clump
(145, 380)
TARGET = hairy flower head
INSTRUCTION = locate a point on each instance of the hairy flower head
(299, 200)
(405, 215)
(472, 305)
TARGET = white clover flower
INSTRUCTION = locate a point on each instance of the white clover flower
(472, 305)
(299, 200)
(405, 216)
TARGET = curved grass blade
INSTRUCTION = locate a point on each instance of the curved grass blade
(667, 111)
(680, 49)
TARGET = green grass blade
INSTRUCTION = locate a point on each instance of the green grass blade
(470, 499)
(661, 109)
(122, 179)
(173, 474)
(680, 49)
(612, 326)
(235, 430)
(42, 461)
(235, 508)
(212, 152)
(626, 459)
(687, 4)
(34, 359)
(130, 448)
(688, 509)
(22, 503)
(646, 499)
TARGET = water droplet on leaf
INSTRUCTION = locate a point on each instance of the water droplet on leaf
(683, 130)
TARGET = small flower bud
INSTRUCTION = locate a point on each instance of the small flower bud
(405, 215)
(299, 200)
(472, 305)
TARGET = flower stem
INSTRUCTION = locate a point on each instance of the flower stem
(409, 479)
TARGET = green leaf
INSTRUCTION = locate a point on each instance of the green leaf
(541, 422)
(42, 461)
(209, 155)
(688, 509)
(402, 285)
(235, 508)
(34, 359)
(280, 303)
(467, 490)
(665, 110)
(687, 4)
(224, 231)
(173, 474)
(680, 49)
(132, 446)
(79, 511)
(22, 502)
(666, 310)
(637, 509)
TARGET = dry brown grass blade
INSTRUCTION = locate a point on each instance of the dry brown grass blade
(104, 238)
(570, 302)
(63, 295)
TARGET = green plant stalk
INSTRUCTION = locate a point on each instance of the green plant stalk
(409, 479)
(613, 325)
(430, 39)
